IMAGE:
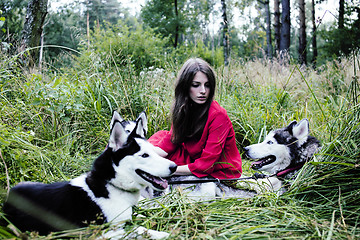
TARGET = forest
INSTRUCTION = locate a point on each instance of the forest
(64, 70)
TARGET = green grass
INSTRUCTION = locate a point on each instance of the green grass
(55, 122)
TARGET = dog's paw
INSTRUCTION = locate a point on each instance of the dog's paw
(250, 185)
(261, 186)
(139, 233)
(151, 234)
(113, 234)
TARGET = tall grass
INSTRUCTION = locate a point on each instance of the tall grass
(53, 123)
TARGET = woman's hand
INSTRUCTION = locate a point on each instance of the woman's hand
(161, 152)
(183, 170)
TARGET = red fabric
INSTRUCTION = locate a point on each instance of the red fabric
(215, 154)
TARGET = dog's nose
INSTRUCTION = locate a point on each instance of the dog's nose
(173, 168)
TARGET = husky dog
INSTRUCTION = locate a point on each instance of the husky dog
(105, 194)
(282, 154)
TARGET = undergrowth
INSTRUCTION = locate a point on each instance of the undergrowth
(54, 123)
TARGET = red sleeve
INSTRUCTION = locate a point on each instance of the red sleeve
(218, 131)
(162, 139)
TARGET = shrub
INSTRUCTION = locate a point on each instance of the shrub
(121, 46)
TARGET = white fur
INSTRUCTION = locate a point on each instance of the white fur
(116, 208)
(270, 147)
(301, 131)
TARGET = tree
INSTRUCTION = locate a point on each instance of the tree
(268, 28)
(285, 27)
(225, 30)
(314, 42)
(341, 14)
(343, 37)
(33, 27)
(277, 25)
(65, 27)
(164, 17)
(302, 33)
(100, 11)
(14, 13)
(176, 37)
(179, 20)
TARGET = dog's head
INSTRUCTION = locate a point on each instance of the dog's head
(130, 161)
(283, 148)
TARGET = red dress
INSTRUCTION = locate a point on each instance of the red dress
(215, 154)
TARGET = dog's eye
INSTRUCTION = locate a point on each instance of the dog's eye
(269, 142)
(145, 155)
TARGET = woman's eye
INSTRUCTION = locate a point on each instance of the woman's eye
(145, 155)
(195, 85)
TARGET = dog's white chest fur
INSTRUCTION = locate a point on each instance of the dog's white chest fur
(117, 207)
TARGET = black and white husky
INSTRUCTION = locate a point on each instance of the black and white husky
(281, 155)
(105, 194)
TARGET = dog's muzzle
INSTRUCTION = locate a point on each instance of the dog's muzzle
(262, 162)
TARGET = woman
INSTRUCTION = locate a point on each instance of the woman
(201, 140)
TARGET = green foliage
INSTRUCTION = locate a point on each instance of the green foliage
(54, 123)
(179, 22)
(342, 41)
(102, 11)
(213, 56)
(122, 47)
(2, 21)
(14, 14)
(161, 16)
(63, 28)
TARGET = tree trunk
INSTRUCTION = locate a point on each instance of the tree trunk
(33, 27)
(285, 27)
(302, 33)
(277, 24)
(88, 28)
(177, 24)
(314, 43)
(341, 14)
(225, 34)
(268, 29)
(41, 49)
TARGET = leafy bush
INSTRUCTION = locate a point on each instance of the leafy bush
(119, 46)
(214, 57)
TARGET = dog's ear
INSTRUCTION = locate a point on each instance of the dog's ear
(141, 125)
(118, 136)
(291, 126)
(301, 131)
(115, 117)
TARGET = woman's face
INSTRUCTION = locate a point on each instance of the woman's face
(200, 89)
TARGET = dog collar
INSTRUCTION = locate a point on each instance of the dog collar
(122, 189)
(288, 170)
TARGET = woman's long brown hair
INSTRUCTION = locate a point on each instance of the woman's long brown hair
(189, 118)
